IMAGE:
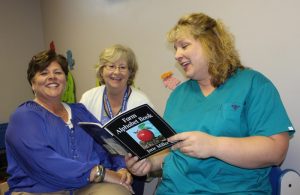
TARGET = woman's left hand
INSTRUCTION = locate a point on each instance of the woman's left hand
(126, 176)
(195, 144)
(119, 177)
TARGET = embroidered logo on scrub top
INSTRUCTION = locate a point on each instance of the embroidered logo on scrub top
(235, 107)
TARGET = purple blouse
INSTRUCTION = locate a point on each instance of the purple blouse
(45, 155)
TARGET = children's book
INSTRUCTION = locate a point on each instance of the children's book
(139, 131)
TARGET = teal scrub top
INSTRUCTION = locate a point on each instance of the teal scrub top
(247, 104)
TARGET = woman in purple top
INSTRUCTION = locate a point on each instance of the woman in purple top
(47, 151)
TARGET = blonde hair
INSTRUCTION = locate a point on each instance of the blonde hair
(114, 53)
(217, 42)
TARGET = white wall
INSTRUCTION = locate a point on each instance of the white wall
(20, 37)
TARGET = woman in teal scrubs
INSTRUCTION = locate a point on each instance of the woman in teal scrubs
(231, 124)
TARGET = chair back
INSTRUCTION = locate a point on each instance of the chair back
(3, 127)
(290, 182)
(284, 182)
(3, 161)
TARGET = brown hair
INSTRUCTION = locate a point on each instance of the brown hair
(42, 60)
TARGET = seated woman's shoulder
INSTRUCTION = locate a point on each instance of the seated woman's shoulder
(138, 94)
(30, 106)
(94, 90)
(28, 110)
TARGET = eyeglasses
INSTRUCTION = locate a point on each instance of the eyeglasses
(112, 67)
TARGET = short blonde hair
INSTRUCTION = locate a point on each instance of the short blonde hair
(114, 53)
(216, 41)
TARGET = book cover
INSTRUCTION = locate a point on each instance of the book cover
(139, 131)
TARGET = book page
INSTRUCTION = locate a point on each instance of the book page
(114, 147)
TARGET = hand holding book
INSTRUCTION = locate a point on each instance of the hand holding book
(139, 131)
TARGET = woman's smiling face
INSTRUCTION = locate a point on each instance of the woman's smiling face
(190, 54)
(50, 83)
(116, 74)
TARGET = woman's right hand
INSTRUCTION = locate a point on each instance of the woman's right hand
(138, 168)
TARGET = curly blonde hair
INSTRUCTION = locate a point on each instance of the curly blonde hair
(217, 42)
(113, 54)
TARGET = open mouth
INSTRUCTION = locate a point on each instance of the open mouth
(116, 78)
(52, 85)
(185, 64)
